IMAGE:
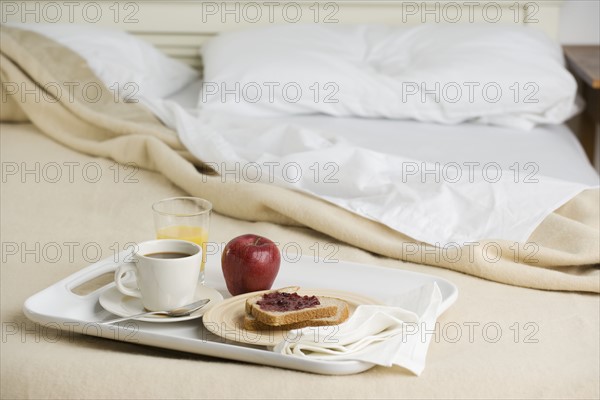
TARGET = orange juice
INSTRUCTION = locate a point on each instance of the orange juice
(194, 234)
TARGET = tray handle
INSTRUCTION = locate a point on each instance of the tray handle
(94, 271)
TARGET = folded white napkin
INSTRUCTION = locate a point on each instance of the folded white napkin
(384, 335)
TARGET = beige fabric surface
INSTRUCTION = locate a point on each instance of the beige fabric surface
(128, 133)
(37, 363)
(555, 354)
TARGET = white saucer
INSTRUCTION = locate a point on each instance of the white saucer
(122, 305)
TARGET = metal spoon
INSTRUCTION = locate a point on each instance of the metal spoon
(177, 312)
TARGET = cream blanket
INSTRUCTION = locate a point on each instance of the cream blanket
(562, 254)
(548, 347)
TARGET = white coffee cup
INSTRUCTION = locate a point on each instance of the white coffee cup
(166, 272)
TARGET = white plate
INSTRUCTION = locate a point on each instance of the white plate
(226, 319)
(122, 305)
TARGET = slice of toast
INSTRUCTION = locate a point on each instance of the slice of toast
(250, 301)
(328, 308)
(342, 314)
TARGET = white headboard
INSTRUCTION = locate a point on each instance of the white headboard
(180, 27)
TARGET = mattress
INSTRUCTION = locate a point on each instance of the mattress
(497, 341)
(550, 150)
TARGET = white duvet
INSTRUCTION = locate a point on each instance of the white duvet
(463, 204)
(433, 203)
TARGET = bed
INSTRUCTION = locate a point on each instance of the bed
(547, 344)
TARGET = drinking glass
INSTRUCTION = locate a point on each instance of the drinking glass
(184, 218)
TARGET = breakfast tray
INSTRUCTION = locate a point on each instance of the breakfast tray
(60, 307)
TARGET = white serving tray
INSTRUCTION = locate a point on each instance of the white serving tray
(58, 307)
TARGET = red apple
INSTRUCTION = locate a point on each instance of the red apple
(250, 263)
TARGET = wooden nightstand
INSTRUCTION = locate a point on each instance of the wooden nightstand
(584, 64)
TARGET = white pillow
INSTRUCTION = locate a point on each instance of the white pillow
(434, 73)
(121, 60)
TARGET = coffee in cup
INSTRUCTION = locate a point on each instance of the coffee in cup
(166, 273)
